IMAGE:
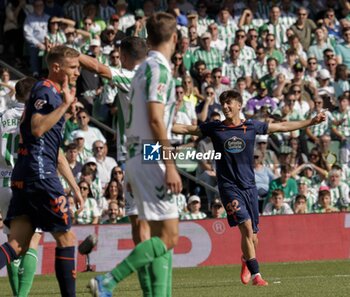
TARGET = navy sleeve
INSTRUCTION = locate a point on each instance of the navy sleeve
(42, 101)
(208, 128)
(260, 127)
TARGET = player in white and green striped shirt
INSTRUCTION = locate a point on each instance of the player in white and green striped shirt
(132, 52)
(151, 115)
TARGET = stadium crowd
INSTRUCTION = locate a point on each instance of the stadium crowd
(288, 60)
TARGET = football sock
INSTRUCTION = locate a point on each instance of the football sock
(12, 272)
(253, 266)
(170, 274)
(7, 254)
(144, 253)
(65, 270)
(159, 275)
(255, 275)
(26, 272)
(145, 281)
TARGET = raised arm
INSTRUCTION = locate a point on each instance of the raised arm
(296, 125)
(41, 123)
(93, 65)
(84, 34)
(67, 21)
(11, 88)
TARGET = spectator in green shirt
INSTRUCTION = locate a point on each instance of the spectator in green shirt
(287, 184)
(271, 50)
(270, 78)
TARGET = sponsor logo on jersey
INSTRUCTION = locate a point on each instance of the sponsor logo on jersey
(234, 145)
(39, 104)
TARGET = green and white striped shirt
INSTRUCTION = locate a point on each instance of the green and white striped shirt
(9, 129)
(233, 72)
(181, 203)
(279, 31)
(212, 58)
(122, 78)
(247, 54)
(311, 199)
(58, 38)
(87, 215)
(257, 69)
(287, 18)
(322, 128)
(203, 23)
(227, 33)
(339, 192)
(343, 128)
(153, 82)
(83, 155)
(193, 216)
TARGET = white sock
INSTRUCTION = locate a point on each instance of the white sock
(255, 275)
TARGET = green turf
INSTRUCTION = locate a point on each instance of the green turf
(331, 278)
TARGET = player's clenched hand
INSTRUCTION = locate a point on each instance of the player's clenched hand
(173, 180)
(68, 92)
(319, 118)
(79, 200)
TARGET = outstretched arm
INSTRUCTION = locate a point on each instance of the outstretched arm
(296, 125)
(186, 129)
(95, 66)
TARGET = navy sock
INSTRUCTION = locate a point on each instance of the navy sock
(7, 254)
(65, 270)
(253, 266)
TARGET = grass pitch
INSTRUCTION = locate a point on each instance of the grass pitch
(321, 279)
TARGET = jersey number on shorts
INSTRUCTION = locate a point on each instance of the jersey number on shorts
(59, 204)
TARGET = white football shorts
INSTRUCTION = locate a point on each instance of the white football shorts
(147, 181)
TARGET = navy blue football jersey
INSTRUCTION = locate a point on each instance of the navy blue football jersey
(236, 145)
(38, 155)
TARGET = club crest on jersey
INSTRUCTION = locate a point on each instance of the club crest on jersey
(39, 104)
(234, 145)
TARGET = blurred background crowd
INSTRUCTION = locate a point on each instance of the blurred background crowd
(288, 59)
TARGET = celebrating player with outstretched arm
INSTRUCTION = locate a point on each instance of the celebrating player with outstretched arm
(235, 139)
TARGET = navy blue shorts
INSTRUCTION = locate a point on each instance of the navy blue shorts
(247, 200)
(43, 201)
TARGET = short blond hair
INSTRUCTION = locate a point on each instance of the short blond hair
(59, 53)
